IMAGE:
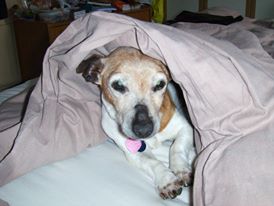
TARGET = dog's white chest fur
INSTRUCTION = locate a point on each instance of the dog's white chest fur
(160, 144)
(169, 133)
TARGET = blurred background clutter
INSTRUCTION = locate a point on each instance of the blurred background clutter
(60, 10)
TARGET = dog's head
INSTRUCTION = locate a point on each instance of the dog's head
(134, 86)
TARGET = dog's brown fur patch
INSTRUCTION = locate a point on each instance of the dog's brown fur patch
(121, 56)
(167, 109)
(112, 65)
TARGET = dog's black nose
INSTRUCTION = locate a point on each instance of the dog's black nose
(142, 125)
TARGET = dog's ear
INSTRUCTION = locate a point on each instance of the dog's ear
(91, 68)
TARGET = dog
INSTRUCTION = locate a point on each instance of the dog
(141, 110)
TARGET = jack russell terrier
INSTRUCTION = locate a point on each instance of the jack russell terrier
(140, 111)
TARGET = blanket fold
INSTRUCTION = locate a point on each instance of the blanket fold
(229, 95)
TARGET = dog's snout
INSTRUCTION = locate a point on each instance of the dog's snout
(141, 112)
(141, 107)
(142, 125)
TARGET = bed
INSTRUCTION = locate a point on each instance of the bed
(227, 20)
(96, 176)
(59, 155)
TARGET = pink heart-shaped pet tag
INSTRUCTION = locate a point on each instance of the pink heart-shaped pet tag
(133, 145)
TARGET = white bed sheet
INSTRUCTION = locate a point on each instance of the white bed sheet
(7, 93)
(98, 176)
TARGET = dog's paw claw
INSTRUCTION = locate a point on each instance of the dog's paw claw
(171, 190)
(186, 178)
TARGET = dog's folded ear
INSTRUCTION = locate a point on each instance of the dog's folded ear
(91, 68)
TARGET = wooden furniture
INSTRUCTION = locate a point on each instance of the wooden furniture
(144, 13)
(250, 7)
(34, 37)
(32, 40)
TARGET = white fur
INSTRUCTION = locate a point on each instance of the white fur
(168, 180)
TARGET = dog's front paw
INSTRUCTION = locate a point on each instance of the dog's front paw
(171, 190)
(186, 178)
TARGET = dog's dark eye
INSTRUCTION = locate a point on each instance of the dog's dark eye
(160, 85)
(118, 86)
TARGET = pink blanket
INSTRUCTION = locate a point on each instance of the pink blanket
(229, 94)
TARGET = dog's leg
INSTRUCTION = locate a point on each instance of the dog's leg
(182, 154)
(167, 184)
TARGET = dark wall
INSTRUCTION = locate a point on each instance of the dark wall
(3, 9)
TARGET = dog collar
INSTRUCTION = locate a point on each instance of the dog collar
(135, 146)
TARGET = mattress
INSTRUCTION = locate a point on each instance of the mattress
(98, 176)
(262, 30)
(6, 94)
